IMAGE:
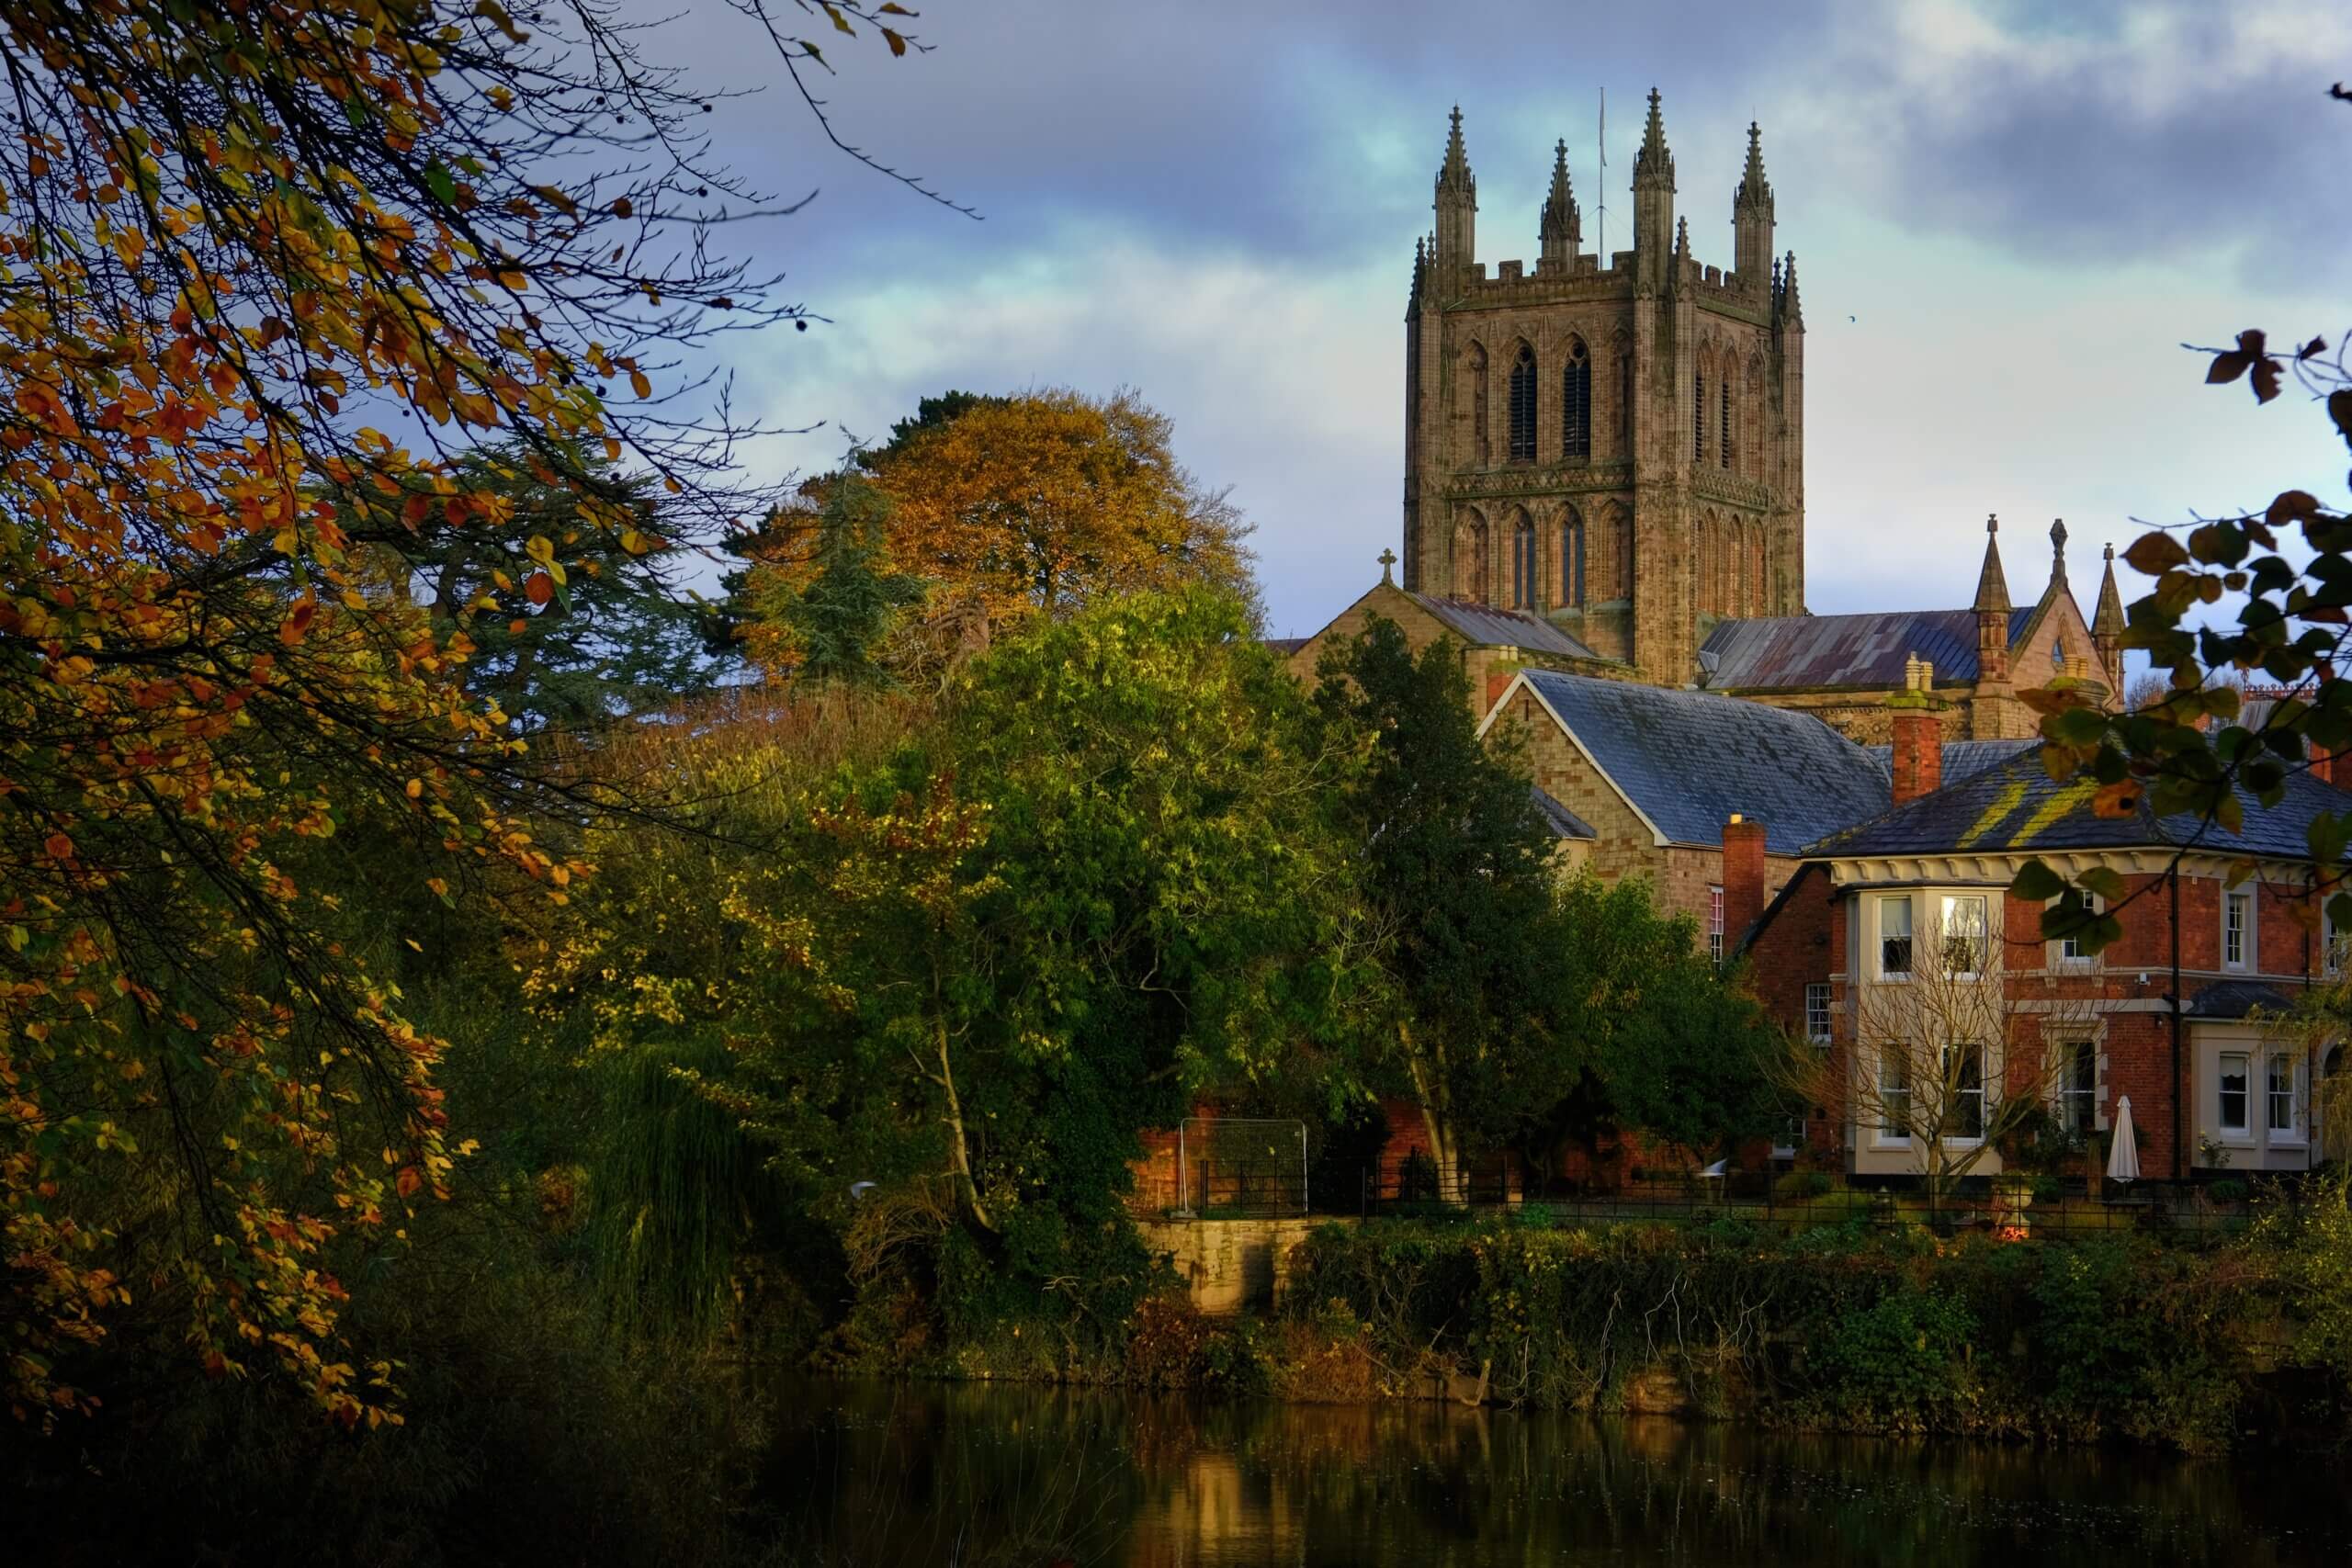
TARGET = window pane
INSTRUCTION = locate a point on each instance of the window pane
(1965, 935)
(1816, 1013)
(1963, 1072)
(2079, 1098)
(2237, 915)
(2232, 1082)
(1894, 936)
(1893, 1091)
(2281, 1084)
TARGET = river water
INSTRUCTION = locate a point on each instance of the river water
(1027, 1477)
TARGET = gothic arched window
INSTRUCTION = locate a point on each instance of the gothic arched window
(1479, 448)
(1723, 434)
(1522, 406)
(1625, 397)
(1576, 402)
(1572, 561)
(1522, 564)
(1702, 587)
(1470, 579)
(1697, 415)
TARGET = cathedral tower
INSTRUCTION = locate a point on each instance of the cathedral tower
(1614, 442)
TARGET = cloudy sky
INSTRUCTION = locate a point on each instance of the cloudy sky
(2007, 217)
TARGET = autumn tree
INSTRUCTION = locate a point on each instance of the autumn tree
(1008, 507)
(272, 271)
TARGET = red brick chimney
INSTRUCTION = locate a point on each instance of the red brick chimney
(1743, 876)
(1918, 753)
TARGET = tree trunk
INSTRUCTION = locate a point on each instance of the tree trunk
(1444, 1148)
(959, 1153)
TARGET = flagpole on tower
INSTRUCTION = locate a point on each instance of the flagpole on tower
(1600, 185)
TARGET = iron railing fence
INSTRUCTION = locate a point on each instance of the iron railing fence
(1415, 1186)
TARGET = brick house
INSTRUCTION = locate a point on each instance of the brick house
(1654, 775)
(2219, 930)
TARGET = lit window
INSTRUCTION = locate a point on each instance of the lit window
(1522, 406)
(2232, 1082)
(2279, 1086)
(2237, 929)
(2078, 1088)
(1715, 923)
(1966, 946)
(1895, 938)
(1817, 1012)
(1894, 1093)
(1964, 1085)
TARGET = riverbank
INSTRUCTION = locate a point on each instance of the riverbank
(2234, 1342)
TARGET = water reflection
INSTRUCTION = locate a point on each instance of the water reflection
(979, 1474)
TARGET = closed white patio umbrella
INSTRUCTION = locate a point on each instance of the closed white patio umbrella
(2123, 1155)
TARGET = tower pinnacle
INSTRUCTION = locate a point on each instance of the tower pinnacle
(1992, 584)
(1654, 165)
(2108, 621)
(1561, 229)
(1456, 203)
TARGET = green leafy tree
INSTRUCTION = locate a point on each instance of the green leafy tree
(561, 582)
(1460, 896)
(842, 617)
(1678, 1050)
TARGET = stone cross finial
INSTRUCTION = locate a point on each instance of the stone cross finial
(2058, 550)
(1387, 559)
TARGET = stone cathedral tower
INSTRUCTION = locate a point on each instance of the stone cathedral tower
(1619, 448)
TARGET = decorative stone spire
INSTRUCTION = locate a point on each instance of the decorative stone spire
(2106, 632)
(1653, 204)
(2108, 621)
(2058, 553)
(1654, 165)
(1992, 585)
(1789, 309)
(1455, 171)
(1561, 229)
(1457, 201)
(1421, 266)
(1682, 240)
(1751, 215)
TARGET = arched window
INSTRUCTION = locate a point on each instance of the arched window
(1572, 561)
(1723, 431)
(1522, 406)
(1698, 416)
(1522, 564)
(1576, 402)
(1480, 448)
(1470, 578)
(1751, 450)
(1702, 587)
(1625, 397)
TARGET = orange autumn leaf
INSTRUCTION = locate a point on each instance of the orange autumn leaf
(539, 588)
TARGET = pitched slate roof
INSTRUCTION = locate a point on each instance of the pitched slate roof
(1482, 626)
(1688, 760)
(1286, 646)
(1563, 823)
(2016, 805)
(1964, 759)
(1845, 650)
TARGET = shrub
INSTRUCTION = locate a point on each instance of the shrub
(2229, 1190)
(1801, 1186)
